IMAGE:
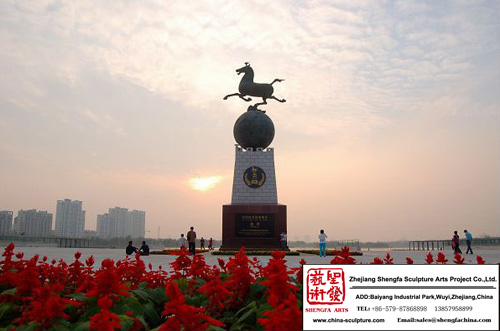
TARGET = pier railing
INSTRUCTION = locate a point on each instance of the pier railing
(61, 242)
(440, 244)
(351, 243)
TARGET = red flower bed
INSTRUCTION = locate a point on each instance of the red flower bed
(125, 295)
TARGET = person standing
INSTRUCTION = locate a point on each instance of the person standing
(191, 238)
(144, 250)
(468, 239)
(210, 244)
(456, 243)
(130, 248)
(283, 240)
(322, 242)
(183, 242)
(202, 243)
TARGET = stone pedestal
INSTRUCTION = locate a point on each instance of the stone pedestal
(253, 226)
(254, 219)
(265, 193)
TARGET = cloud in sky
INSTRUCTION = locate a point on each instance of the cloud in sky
(136, 88)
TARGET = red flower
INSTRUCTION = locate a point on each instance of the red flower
(480, 260)
(132, 270)
(47, 305)
(242, 276)
(90, 261)
(441, 258)
(458, 259)
(377, 260)
(181, 265)
(429, 259)
(216, 293)
(199, 268)
(337, 260)
(278, 284)
(409, 261)
(9, 250)
(222, 264)
(287, 316)
(258, 266)
(388, 259)
(181, 316)
(298, 271)
(105, 320)
(7, 277)
(156, 278)
(344, 257)
(107, 282)
(76, 270)
(28, 279)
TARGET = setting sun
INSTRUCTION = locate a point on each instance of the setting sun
(204, 183)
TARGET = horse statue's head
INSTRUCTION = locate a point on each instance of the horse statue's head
(246, 69)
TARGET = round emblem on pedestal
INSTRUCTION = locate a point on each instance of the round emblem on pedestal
(254, 177)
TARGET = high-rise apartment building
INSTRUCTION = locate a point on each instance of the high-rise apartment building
(33, 223)
(70, 219)
(120, 223)
(118, 218)
(103, 226)
(138, 224)
(5, 222)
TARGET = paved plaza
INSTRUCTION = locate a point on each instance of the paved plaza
(489, 254)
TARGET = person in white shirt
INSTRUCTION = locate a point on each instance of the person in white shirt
(183, 241)
(322, 243)
(283, 240)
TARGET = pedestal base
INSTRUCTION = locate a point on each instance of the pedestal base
(253, 226)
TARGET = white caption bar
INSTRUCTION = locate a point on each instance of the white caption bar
(401, 297)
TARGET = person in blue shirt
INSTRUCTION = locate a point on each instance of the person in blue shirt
(322, 243)
(468, 239)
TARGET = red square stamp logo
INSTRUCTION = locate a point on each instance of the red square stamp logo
(325, 286)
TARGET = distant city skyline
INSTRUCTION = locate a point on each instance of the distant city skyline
(390, 130)
(70, 222)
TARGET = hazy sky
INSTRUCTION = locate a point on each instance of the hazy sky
(390, 131)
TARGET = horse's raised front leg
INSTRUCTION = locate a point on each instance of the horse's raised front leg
(279, 100)
(237, 94)
(277, 80)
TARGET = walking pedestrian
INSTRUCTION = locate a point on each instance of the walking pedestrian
(210, 244)
(455, 243)
(191, 238)
(468, 239)
(322, 243)
(202, 244)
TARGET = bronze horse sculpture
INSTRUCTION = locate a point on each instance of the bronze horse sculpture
(248, 88)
